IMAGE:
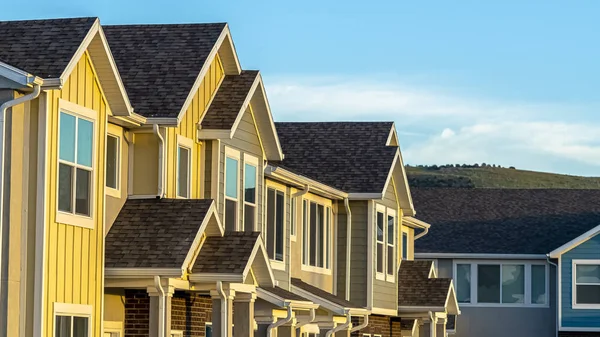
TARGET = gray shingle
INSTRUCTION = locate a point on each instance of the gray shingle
(228, 254)
(42, 47)
(284, 294)
(228, 100)
(160, 63)
(503, 221)
(296, 282)
(154, 233)
(350, 156)
(416, 289)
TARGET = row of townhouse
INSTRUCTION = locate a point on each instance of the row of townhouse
(525, 262)
(147, 191)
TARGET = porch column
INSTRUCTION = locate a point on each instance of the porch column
(433, 327)
(243, 316)
(155, 303)
(441, 327)
(222, 314)
(287, 330)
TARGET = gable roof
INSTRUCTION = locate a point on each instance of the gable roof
(575, 242)
(160, 63)
(228, 254)
(159, 233)
(417, 289)
(350, 156)
(43, 48)
(503, 221)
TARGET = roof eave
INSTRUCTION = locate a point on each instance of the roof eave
(414, 222)
(19, 76)
(480, 256)
(287, 176)
(121, 272)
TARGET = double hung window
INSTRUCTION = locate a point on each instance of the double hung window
(385, 243)
(72, 320)
(316, 234)
(250, 192)
(586, 287)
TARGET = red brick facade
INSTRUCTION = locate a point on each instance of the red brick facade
(190, 312)
(137, 313)
(385, 326)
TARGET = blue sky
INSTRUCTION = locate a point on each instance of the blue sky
(506, 82)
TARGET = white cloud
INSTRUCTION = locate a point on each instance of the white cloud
(447, 133)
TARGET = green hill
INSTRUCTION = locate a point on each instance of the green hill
(494, 177)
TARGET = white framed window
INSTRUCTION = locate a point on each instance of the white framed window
(275, 225)
(76, 164)
(232, 171)
(390, 244)
(317, 217)
(385, 231)
(293, 218)
(184, 167)
(501, 283)
(586, 284)
(250, 192)
(113, 160)
(404, 246)
(208, 329)
(72, 320)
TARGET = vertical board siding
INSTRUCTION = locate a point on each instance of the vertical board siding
(187, 128)
(577, 318)
(74, 266)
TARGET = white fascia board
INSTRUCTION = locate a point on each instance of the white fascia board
(163, 121)
(419, 309)
(300, 181)
(414, 222)
(18, 76)
(575, 242)
(214, 134)
(365, 196)
(141, 272)
(480, 256)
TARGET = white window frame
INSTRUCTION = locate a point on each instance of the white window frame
(116, 132)
(574, 303)
(207, 324)
(276, 264)
(233, 154)
(252, 161)
(72, 218)
(527, 265)
(384, 276)
(404, 233)
(77, 310)
(188, 144)
(294, 216)
(391, 277)
(327, 207)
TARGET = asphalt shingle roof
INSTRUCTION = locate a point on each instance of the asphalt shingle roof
(415, 289)
(228, 254)
(228, 100)
(42, 47)
(160, 63)
(286, 295)
(296, 282)
(503, 221)
(154, 233)
(350, 156)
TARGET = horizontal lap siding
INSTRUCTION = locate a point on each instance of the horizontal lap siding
(358, 268)
(74, 255)
(583, 318)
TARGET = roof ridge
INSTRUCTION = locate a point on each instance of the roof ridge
(166, 24)
(52, 19)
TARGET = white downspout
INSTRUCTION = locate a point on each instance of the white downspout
(3, 109)
(161, 307)
(348, 245)
(340, 327)
(422, 234)
(161, 161)
(224, 316)
(432, 327)
(311, 319)
(362, 326)
(281, 321)
(557, 291)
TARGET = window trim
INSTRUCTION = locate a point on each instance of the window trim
(294, 215)
(327, 205)
(404, 234)
(527, 265)
(117, 132)
(379, 208)
(574, 303)
(91, 115)
(233, 154)
(275, 264)
(391, 277)
(186, 143)
(380, 275)
(252, 161)
(73, 310)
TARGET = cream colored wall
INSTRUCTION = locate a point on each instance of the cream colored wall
(145, 164)
(114, 204)
(74, 255)
(114, 305)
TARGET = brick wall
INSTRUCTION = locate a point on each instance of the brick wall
(190, 312)
(137, 313)
(379, 325)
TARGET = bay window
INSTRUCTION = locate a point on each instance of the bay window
(316, 235)
(232, 168)
(385, 237)
(250, 192)
(275, 224)
(586, 290)
(501, 283)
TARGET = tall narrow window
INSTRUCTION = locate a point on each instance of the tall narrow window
(538, 284)
(313, 234)
(113, 146)
(391, 224)
(404, 246)
(380, 243)
(275, 224)
(231, 193)
(463, 283)
(488, 283)
(513, 283)
(76, 139)
(316, 235)
(305, 232)
(183, 171)
(250, 197)
(328, 216)
(293, 216)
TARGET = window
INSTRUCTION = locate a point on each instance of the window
(231, 189)
(250, 192)
(404, 246)
(275, 224)
(293, 216)
(183, 172)
(208, 329)
(380, 234)
(113, 149)
(587, 284)
(75, 165)
(522, 284)
(391, 225)
(385, 221)
(316, 235)
(72, 320)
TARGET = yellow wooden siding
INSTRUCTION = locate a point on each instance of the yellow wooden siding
(187, 128)
(74, 266)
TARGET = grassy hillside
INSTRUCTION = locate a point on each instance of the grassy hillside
(494, 177)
